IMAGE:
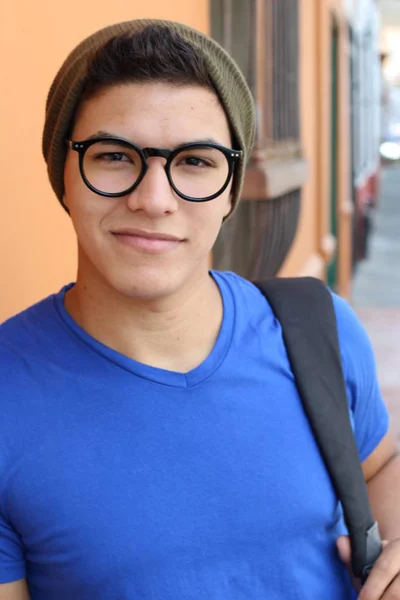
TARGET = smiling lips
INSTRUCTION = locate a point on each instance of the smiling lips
(155, 243)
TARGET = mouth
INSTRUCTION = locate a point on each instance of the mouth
(147, 241)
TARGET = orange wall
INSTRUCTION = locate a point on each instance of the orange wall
(310, 250)
(38, 253)
(303, 257)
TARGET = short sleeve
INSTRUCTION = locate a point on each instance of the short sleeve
(367, 409)
(12, 563)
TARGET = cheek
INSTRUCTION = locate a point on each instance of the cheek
(72, 177)
(207, 218)
(225, 204)
(84, 211)
(74, 188)
(81, 202)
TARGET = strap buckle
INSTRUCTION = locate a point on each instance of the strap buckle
(373, 550)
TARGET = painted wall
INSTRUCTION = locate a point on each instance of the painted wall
(304, 257)
(38, 254)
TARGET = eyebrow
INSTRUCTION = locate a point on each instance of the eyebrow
(107, 134)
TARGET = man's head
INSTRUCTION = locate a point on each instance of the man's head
(194, 58)
(181, 121)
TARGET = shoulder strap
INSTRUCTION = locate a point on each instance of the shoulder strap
(304, 308)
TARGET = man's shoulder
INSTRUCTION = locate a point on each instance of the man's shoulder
(23, 333)
(241, 288)
(353, 338)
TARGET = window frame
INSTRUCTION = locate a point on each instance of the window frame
(275, 167)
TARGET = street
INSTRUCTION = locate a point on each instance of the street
(376, 291)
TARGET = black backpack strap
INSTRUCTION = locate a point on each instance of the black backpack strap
(304, 308)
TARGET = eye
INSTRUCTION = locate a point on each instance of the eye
(196, 161)
(199, 162)
(113, 157)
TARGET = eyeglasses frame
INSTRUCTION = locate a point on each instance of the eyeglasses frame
(232, 156)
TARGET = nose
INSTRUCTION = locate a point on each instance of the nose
(154, 195)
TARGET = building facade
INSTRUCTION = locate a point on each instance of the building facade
(313, 66)
(296, 215)
(312, 177)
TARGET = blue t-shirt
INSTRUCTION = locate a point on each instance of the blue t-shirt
(123, 481)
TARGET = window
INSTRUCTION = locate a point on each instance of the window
(263, 37)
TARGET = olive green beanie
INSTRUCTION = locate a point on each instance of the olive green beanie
(69, 83)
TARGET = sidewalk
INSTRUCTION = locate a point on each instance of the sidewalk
(376, 292)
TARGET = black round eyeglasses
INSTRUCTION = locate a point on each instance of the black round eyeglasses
(114, 167)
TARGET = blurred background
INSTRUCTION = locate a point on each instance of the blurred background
(322, 190)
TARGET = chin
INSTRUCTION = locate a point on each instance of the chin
(146, 284)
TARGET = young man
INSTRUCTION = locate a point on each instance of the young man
(153, 444)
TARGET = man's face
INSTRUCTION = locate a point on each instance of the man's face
(149, 115)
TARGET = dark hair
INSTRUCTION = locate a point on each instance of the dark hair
(157, 53)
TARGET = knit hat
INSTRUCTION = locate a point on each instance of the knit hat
(69, 83)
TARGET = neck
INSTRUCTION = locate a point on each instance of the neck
(173, 333)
